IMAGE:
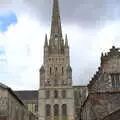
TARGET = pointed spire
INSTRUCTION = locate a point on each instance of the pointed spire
(66, 41)
(46, 41)
(102, 54)
(56, 29)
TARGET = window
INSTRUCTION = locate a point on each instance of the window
(47, 94)
(115, 80)
(56, 69)
(62, 70)
(36, 108)
(50, 70)
(56, 94)
(63, 94)
(56, 110)
(48, 110)
(64, 110)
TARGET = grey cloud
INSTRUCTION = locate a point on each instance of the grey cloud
(86, 13)
(83, 12)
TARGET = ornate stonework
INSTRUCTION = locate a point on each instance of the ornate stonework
(56, 94)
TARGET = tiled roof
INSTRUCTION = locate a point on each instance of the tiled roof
(27, 95)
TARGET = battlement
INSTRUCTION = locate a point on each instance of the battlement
(112, 52)
(95, 76)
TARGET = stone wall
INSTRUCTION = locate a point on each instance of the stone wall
(113, 116)
(3, 102)
(107, 78)
(99, 105)
(68, 100)
(80, 95)
(32, 106)
(11, 107)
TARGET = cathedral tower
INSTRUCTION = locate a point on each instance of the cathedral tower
(56, 96)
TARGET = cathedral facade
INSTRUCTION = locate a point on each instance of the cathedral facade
(56, 94)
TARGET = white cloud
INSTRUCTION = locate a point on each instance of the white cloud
(26, 36)
(23, 43)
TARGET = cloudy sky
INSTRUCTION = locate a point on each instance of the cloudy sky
(92, 26)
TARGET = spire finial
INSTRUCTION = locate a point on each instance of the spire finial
(46, 41)
(56, 29)
(66, 41)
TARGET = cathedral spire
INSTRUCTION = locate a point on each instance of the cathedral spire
(66, 41)
(56, 29)
(46, 41)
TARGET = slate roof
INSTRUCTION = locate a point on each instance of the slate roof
(11, 91)
(27, 95)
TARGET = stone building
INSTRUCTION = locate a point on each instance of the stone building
(113, 116)
(80, 95)
(104, 88)
(56, 94)
(11, 107)
(30, 99)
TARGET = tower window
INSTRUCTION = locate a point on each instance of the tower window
(63, 94)
(47, 94)
(56, 69)
(56, 94)
(48, 110)
(56, 110)
(62, 70)
(64, 110)
(50, 70)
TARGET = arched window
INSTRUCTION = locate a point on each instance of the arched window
(56, 110)
(56, 69)
(48, 110)
(63, 94)
(64, 110)
(56, 94)
(62, 70)
(50, 70)
(47, 94)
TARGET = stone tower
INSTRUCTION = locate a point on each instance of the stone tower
(56, 94)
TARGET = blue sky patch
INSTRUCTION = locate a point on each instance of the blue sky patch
(2, 51)
(6, 20)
